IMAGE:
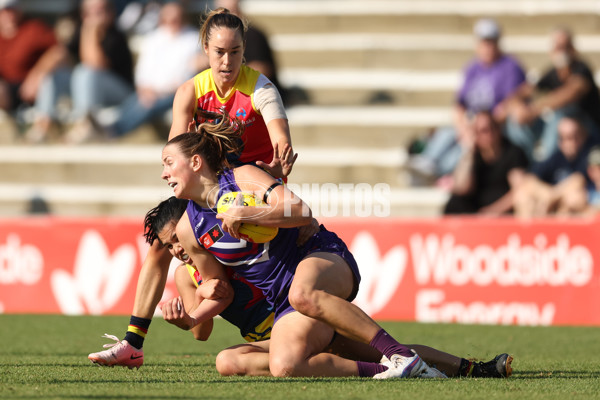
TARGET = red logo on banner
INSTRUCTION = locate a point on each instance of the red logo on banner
(466, 270)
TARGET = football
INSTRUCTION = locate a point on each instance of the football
(250, 232)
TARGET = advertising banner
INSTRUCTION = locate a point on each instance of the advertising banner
(466, 270)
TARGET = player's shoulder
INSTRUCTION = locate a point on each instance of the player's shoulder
(186, 87)
(183, 229)
(248, 171)
(246, 82)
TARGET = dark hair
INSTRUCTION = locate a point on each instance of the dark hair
(157, 218)
(213, 140)
(579, 118)
(221, 17)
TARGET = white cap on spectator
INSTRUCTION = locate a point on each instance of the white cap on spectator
(8, 3)
(594, 156)
(487, 29)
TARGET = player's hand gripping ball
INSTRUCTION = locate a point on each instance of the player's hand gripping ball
(250, 232)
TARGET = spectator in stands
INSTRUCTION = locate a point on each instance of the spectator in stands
(480, 184)
(102, 76)
(257, 53)
(567, 87)
(551, 185)
(488, 81)
(593, 189)
(24, 45)
(168, 56)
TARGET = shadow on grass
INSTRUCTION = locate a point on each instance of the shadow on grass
(92, 365)
(216, 380)
(556, 375)
(120, 397)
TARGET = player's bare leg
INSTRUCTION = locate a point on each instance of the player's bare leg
(248, 359)
(151, 285)
(296, 345)
(321, 284)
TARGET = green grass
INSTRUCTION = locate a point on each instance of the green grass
(44, 357)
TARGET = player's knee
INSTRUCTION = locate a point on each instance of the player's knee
(282, 367)
(305, 301)
(227, 365)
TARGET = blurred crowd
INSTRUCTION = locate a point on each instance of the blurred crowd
(517, 145)
(102, 71)
(527, 147)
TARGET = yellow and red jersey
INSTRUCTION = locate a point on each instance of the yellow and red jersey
(239, 104)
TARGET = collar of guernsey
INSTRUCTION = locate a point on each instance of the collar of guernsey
(239, 104)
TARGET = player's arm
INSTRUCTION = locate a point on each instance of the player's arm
(284, 156)
(268, 102)
(209, 268)
(183, 108)
(279, 132)
(151, 281)
(284, 208)
(187, 292)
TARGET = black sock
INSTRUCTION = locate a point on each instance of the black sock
(466, 367)
(136, 331)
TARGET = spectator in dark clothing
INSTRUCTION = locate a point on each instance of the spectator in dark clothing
(549, 187)
(566, 88)
(480, 180)
(23, 44)
(102, 76)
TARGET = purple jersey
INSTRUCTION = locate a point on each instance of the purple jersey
(269, 266)
(485, 86)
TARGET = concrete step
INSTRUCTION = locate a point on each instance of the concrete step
(392, 16)
(363, 126)
(410, 51)
(105, 185)
(405, 88)
(325, 201)
(352, 87)
(94, 164)
(128, 167)
(72, 199)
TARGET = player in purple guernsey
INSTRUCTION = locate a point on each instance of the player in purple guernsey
(269, 265)
(311, 288)
(248, 312)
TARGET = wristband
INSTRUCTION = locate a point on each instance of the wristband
(269, 190)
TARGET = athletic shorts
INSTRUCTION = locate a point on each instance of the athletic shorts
(326, 242)
(253, 316)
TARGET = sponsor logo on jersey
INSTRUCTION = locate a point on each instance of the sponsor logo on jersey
(240, 113)
(212, 236)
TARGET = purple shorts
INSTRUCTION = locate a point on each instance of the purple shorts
(327, 242)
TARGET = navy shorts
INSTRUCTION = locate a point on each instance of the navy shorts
(326, 242)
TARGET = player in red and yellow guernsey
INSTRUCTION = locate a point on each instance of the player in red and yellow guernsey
(231, 87)
(244, 94)
(252, 91)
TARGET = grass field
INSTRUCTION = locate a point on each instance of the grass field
(44, 357)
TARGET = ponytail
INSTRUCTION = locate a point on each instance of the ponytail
(213, 140)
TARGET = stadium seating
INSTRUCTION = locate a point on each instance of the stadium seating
(375, 75)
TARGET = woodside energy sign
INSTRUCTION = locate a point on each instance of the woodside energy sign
(466, 270)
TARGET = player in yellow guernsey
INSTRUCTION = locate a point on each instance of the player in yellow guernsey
(231, 87)
(253, 92)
